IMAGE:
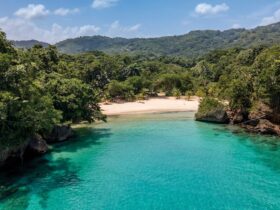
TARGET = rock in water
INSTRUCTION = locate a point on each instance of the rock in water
(238, 118)
(264, 127)
(214, 116)
(212, 110)
(12, 154)
(59, 133)
(260, 111)
(37, 145)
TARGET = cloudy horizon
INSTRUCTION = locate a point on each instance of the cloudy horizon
(56, 21)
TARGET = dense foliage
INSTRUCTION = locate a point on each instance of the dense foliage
(243, 77)
(27, 44)
(209, 105)
(192, 44)
(36, 93)
(40, 87)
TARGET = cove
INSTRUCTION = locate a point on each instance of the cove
(155, 161)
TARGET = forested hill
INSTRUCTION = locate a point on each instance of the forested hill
(192, 44)
(28, 44)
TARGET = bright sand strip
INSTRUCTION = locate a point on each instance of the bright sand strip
(154, 105)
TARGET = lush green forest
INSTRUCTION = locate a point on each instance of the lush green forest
(191, 45)
(38, 90)
(40, 87)
(27, 44)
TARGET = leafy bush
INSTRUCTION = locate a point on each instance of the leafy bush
(120, 90)
(209, 104)
(188, 94)
(176, 93)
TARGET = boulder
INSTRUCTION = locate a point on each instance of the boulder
(59, 133)
(34, 146)
(237, 117)
(37, 145)
(214, 116)
(264, 127)
(260, 111)
(12, 154)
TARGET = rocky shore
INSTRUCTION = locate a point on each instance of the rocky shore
(261, 119)
(35, 145)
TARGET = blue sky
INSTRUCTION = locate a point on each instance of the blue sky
(56, 20)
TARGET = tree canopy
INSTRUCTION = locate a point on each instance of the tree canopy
(41, 87)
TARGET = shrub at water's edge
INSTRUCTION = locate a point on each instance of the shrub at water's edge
(211, 110)
(37, 93)
(41, 88)
(259, 119)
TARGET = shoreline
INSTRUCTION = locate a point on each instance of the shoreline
(150, 106)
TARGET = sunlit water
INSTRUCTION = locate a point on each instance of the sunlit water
(160, 161)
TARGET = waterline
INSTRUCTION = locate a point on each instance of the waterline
(159, 161)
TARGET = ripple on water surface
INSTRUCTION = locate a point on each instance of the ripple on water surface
(156, 161)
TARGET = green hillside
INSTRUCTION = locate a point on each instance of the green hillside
(28, 44)
(192, 44)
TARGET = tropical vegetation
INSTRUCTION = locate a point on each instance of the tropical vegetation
(42, 87)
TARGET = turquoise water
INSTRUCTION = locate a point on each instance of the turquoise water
(160, 161)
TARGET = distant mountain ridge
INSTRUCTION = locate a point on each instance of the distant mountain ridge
(193, 44)
(28, 44)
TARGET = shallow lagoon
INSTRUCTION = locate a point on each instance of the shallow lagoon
(158, 161)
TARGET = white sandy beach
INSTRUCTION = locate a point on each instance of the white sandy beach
(153, 105)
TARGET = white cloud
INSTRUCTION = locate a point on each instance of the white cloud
(22, 29)
(32, 11)
(134, 28)
(271, 19)
(208, 9)
(100, 4)
(115, 25)
(87, 30)
(236, 26)
(116, 29)
(64, 11)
